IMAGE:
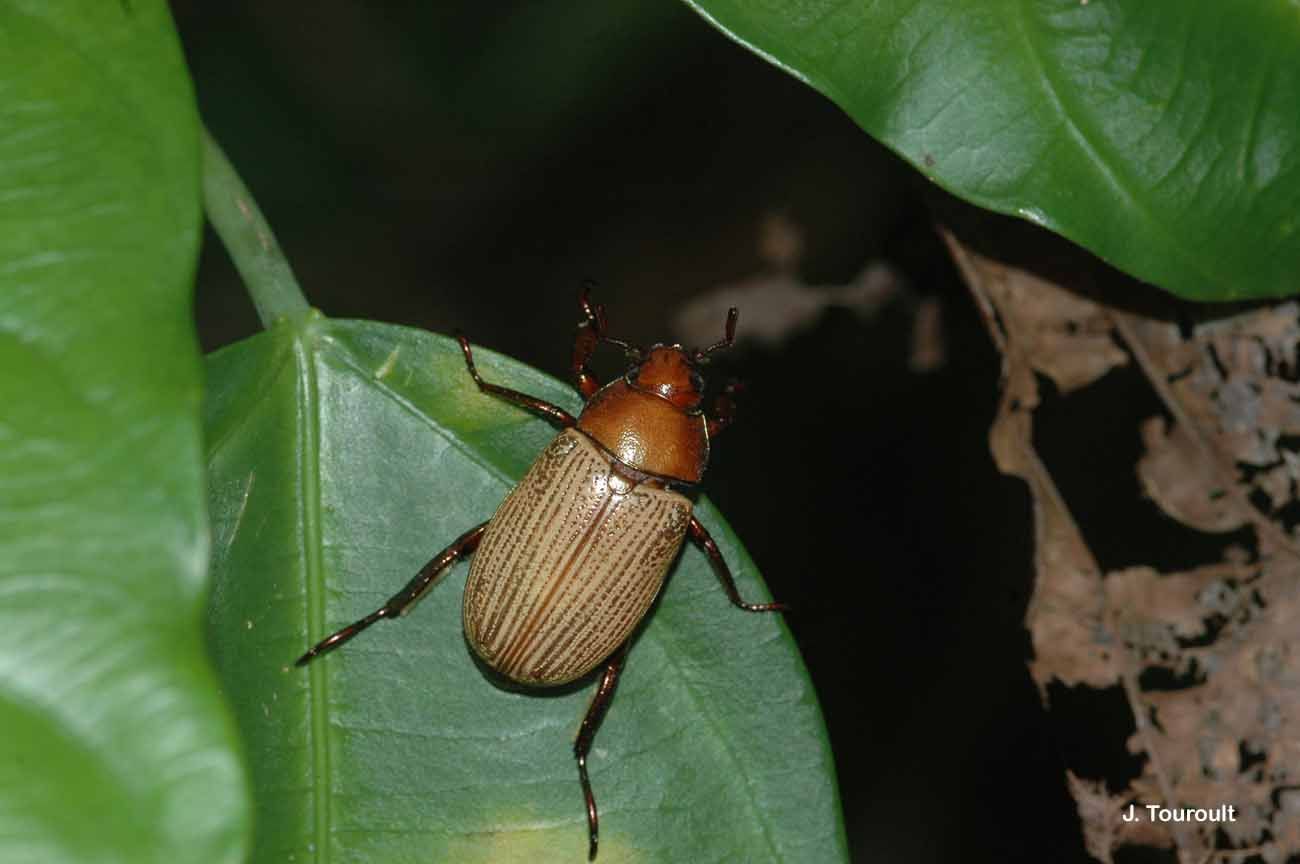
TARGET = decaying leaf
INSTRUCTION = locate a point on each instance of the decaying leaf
(1208, 658)
(1068, 338)
(1099, 814)
(1230, 389)
(1172, 476)
(1065, 613)
(1102, 817)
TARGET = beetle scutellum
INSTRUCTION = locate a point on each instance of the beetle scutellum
(575, 555)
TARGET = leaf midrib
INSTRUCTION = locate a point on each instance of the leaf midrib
(1110, 175)
(308, 421)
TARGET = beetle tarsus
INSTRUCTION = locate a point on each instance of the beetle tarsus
(469, 359)
(587, 733)
(593, 818)
(401, 602)
(334, 640)
(700, 536)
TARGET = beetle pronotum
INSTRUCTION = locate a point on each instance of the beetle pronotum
(574, 557)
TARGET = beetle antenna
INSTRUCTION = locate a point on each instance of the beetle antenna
(729, 339)
(633, 352)
(595, 315)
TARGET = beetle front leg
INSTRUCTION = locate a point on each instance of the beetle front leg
(706, 544)
(401, 602)
(587, 732)
(590, 332)
(724, 407)
(554, 413)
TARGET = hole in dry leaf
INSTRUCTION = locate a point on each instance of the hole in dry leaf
(1283, 796)
(1090, 441)
(1249, 758)
(1289, 442)
(1280, 368)
(1162, 678)
(1092, 726)
(1259, 500)
(1225, 844)
(1289, 516)
(1212, 352)
(1212, 625)
(1287, 469)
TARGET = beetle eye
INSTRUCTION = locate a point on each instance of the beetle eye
(697, 382)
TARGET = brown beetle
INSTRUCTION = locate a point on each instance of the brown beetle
(574, 557)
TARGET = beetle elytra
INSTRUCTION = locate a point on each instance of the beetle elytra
(575, 555)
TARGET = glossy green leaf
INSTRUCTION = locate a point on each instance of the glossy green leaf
(1162, 135)
(114, 745)
(343, 455)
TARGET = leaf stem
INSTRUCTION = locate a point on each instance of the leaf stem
(242, 228)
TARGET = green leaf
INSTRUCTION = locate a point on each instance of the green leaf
(1163, 136)
(114, 745)
(344, 455)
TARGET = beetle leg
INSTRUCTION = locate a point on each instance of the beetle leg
(587, 732)
(590, 331)
(554, 413)
(705, 542)
(401, 602)
(724, 407)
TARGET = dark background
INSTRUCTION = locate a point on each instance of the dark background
(468, 165)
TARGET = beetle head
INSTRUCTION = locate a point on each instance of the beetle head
(672, 372)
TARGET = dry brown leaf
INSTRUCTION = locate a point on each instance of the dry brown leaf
(1099, 815)
(1065, 612)
(1209, 659)
(1229, 391)
(1172, 474)
(1068, 338)
(1103, 818)
(1154, 615)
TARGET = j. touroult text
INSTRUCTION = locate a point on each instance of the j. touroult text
(1156, 813)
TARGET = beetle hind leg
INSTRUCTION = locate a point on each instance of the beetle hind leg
(702, 539)
(587, 733)
(401, 602)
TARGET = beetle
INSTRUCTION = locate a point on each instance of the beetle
(575, 555)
